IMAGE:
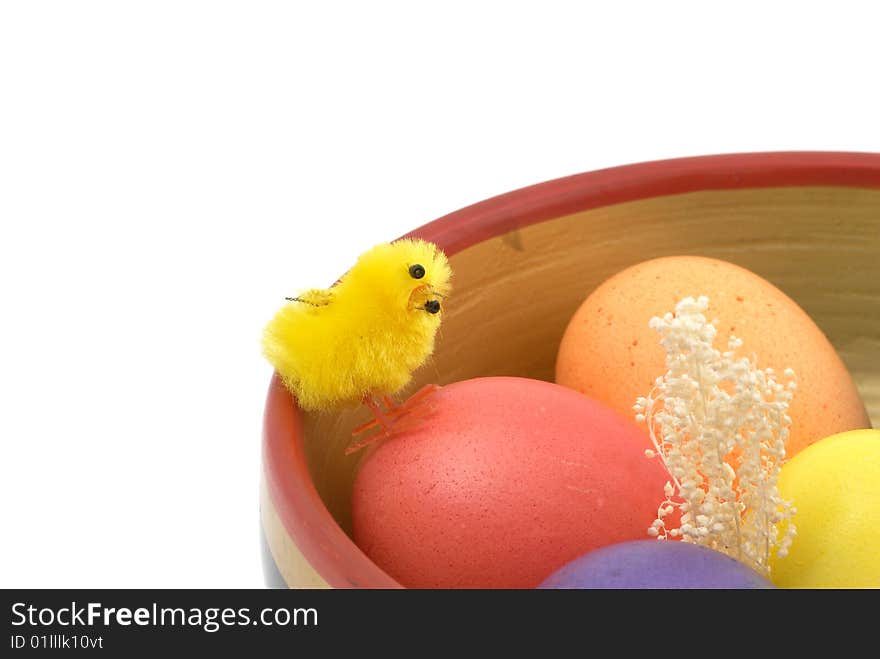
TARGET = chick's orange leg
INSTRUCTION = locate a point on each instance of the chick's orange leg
(415, 403)
(354, 447)
(417, 400)
(380, 419)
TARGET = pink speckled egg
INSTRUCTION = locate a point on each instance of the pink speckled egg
(505, 481)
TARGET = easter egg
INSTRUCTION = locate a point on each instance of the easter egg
(506, 480)
(655, 564)
(610, 353)
(835, 487)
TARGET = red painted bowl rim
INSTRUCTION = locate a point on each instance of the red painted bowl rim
(319, 538)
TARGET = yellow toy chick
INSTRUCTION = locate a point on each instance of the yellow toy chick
(361, 339)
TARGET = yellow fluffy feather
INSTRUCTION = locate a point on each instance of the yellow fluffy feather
(364, 336)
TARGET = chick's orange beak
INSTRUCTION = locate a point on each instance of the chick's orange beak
(424, 298)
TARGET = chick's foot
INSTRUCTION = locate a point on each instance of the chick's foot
(418, 401)
(395, 418)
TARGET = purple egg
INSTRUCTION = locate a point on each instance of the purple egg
(655, 564)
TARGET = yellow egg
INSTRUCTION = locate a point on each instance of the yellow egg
(835, 487)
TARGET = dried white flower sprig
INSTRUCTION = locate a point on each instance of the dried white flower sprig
(720, 425)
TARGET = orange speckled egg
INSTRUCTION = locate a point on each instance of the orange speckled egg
(506, 481)
(609, 353)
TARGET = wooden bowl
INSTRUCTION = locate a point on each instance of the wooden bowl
(524, 261)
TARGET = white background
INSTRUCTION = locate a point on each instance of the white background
(170, 170)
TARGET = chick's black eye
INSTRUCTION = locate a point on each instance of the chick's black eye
(416, 271)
